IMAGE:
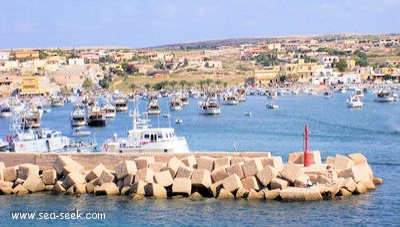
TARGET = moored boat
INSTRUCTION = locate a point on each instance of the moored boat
(354, 102)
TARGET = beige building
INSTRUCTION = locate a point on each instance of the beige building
(31, 54)
(301, 71)
(35, 85)
(267, 76)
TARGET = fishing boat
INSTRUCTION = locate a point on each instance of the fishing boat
(272, 105)
(110, 110)
(47, 141)
(57, 101)
(78, 115)
(354, 102)
(209, 106)
(230, 99)
(176, 104)
(5, 111)
(153, 108)
(121, 105)
(31, 119)
(144, 139)
(79, 133)
(178, 121)
(96, 117)
(385, 96)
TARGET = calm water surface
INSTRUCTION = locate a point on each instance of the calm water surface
(373, 130)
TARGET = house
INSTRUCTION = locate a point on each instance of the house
(269, 75)
(328, 61)
(38, 85)
(300, 71)
(26, 54)
(4, 56)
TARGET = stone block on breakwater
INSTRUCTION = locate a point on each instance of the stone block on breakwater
(173, 165)
(205, 162)
(95, 172)
(60, 162)
(225, 194)
(73, 178)
(20, 190)
(190, 161)
(25, 170)
(49, 176)
(250, 183)
(300, 194)
(155, 190)
(276, 162)
(126, 167)
(33, 183)
(163, 178)
(266, 175)
(146, 175)
(290, 172)
(222, 162)
(252, 167)
(144, 162)
(105, 177)
(232, 183)
(279, 183)
(219, 174)
(11, 173)
(182, 186)
(184, 171)
(157, 166)
(2, 167)
(236, 169)
(201, 178)
(108, 188)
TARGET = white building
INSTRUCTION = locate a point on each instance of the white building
(328, 61)
(76, 61)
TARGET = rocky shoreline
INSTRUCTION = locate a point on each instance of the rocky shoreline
(253, 175)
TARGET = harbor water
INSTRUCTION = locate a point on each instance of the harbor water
(373, 130)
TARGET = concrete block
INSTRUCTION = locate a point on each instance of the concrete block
(377, 181)
(90, 186)
(173, 165)
(290, 172)
(236, 160)
(358, 158)
(298, 157)
(163, 178)
(205, 162)
(253, 194)
(73, 167)
(73, 178)
(301, 180)
(184, 171)
(241, 193)
(20, 190)
(236, 169)
(80, 189)
(342, 162)
(276, 162)
(157, 166)
(11, 173)
(361, 187)
(105, 177)
(144, 162)
(330, 161)
(182, 186)
(126, 167)
(349, 184)
(190, 161)
(250, 183)
(345, 192)
(266, 175)
(6, 190)
(2, 167)
(225, 194)
(58, 188)
(95, 172)
(60, 162)
(70, 190)
(125, 190)
(279, 183)
(271, 194)
(138, 188)
(146, 175)
(108, 188)
(201, 178)
(49, 176)
(219, 174)
(300, 194)
(222, 162)
(328, 191)
(359, 173)
(252, 167)
(129, 180)
(155, 190)
(33, 183)
(215, 188)
(18, 181)
(232, 183)
(27, 169)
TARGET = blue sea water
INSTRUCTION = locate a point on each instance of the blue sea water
(373, 130)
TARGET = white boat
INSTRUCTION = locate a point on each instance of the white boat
(354, 102)
(178, 121)
(248, 114)
(121, 105)
(5, 111)
(4, 145)
(57, 101)
(79, 132)
(209, 106)
(359, 92)
(386, 96)
(144, 139)
(230, 99)
(328, 94)
(272, 105)
(110, 110)
(47, 141)
(78, 118)
(176, 104)
(153, 108)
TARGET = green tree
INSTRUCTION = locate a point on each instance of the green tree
(267, 59)
(218, 82)
(341, 65)
(133, 86)
(201, 83)
(147, 86)
(225, 84)
(43, 54)
(183, 83)
(87, 83)
(105, 82)
(173, 83)
(208, 82)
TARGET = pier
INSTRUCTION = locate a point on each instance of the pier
(222, 175)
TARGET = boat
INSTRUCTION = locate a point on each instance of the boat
(272, 105)
(79, 132)
(110, 110)
(153, 108)
(31, 119)
(272, 94)
(359, 92)
(354, 101)
(248, 114)
(96, 117)
(178, 121)
(386, 96)
(57, 101)
(230, 99)
(121, 105)
(41, 141)
(78, 115)
(5, 111)
(209, 106)
(4, 145)
(144, 139)
(176, 104)
(328, 94)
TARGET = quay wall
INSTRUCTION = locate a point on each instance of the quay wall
(91, 160)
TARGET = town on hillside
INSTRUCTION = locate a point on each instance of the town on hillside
(283, 61)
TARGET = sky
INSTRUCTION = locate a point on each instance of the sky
(149, 23)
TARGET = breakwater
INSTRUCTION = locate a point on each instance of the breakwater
(251, 175)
